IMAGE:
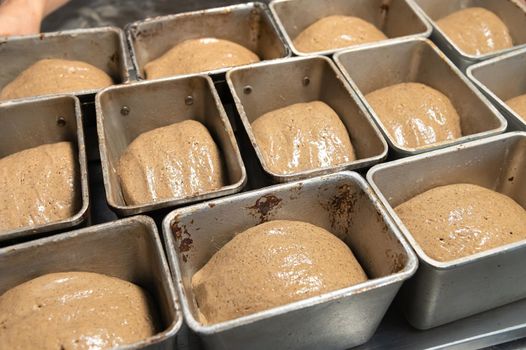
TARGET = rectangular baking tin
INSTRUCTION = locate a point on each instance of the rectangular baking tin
(501, 78)
(38, 121)
(341, 203)
(264, 87)
(511, 12)
(124, 112)
(443, 292)
(249, 25)
(128, 249)
(419, 60)
(395, 18)
(104, 48)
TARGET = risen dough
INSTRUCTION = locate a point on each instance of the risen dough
(38, 186)
(302, 136)
(174, 161)
(199, 55)
(53, 76)
(415, 115)
(272, 264)
(74, 310)
(454, 221)
(334, 32)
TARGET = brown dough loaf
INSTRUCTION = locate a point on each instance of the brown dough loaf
(38, 186)
(199, 55)
(174, 161)
(518, 104)
(74, 310)
(302, 136)
(54, 76)
(273, 264)
(476, 31)
(415, 115)
(335, 32)
(455, 221)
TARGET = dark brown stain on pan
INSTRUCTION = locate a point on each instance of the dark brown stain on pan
(264, 206)
(341, 207)
(183, 238)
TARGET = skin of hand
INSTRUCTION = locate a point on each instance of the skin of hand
(23, 17)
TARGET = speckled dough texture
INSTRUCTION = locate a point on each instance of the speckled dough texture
(415, 115)
(518, 104)
(476, 31)
(273, 264)
(74, 310)
(199, 55)
(174, 161)
(335, 32)
(455, 221)
(39, 186)
(53, 76)
(302, 136)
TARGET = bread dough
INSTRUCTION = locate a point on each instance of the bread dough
(174, 161)
(335, 32)
(199, 55)
(454, 221)
(74, 310)
(415, 115)
(518, 105)
(302, 136)
(38, 186)
(273, 264)
(54, 76)
(476, 31)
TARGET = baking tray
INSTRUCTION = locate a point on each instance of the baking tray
(511, 12)
(124, 112)
(249, 25)
(129, 249)
(501, 78)
(342, 204)
(395, 18)
(419, 60)
(37, 121)
(442, 292)
(104, 48)
(284, 82)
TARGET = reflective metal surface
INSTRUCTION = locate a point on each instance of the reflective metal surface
(500, 79)
(265, 87)
(104, 48)
(395, 18)
(126, 111)
(38, 121)
(442, 292)
(193, 234)
(418, 60)
(128, 249)
(249, 25)
(511, 12)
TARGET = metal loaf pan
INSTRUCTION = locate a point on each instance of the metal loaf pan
(124, 112)
(31, 123)
(104, 48)
(442, 292)
(395, 18)
(501, 78)
(264, 87)
(129, 249)
(419, 60)
(249, 25)
(510, 12)
(341, 203)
